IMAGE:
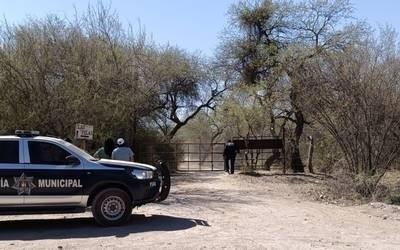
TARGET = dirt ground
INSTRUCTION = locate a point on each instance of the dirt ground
(214, 210)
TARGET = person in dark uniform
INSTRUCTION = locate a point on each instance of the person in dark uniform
(229, 157)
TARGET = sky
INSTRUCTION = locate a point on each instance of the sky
(194, 25)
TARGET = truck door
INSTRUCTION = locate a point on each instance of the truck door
(11, 169)
(57, 181)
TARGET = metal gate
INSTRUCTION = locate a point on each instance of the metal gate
(202, 156)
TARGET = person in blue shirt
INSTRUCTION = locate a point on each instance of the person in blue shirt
(122, 152)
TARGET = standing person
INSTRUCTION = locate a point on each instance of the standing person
(229, 157)
(122, 152)
(105, 151)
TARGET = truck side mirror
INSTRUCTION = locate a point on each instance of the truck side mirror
(72, 160)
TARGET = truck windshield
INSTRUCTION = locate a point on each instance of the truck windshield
(79, 151)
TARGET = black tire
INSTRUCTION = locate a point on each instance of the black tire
(163, 171)
(112, 207)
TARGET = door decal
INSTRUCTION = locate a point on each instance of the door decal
(23, 184)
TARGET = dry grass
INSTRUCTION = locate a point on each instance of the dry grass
(391, 181)
(339, 188)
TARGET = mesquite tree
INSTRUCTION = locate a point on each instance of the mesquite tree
(269, 41)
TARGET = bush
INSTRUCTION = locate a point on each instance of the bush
(341, 187)
(394, 197)
(381, 193)
(327, 156)
(395, 200)
(365, 185)
(358, 187)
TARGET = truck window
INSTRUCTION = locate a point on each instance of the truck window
(9, 152)
(47, 153)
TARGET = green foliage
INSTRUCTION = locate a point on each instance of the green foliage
(252, 47)
(243, 114)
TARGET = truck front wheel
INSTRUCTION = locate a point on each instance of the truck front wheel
(165, 179)
(112, 207)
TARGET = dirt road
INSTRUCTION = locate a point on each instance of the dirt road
(217, 211)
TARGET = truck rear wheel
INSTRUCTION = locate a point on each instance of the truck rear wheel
(112, 207)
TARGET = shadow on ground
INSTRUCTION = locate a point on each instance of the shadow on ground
(86, 228)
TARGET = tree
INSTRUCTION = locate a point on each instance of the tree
(354, 94)
(56, 72)
(205, 128)
(187, 86)
(268, 42)
(243, 116)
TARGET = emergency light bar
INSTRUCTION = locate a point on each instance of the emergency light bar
(26, 133)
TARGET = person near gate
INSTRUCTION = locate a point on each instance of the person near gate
(122, 152)
(229, 157)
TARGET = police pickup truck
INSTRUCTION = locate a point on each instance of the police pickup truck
(42, 175)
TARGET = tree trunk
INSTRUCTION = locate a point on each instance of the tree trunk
(295, 158)
(272, 159)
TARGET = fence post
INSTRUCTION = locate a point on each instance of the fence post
(176, 156)
(212, 157)
(200, 156)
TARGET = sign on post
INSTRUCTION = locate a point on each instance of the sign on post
(83, 132)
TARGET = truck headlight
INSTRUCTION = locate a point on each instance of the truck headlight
(142, 174)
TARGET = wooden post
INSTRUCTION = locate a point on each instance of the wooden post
(310, 154)
(83, 144)
(284, 150)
